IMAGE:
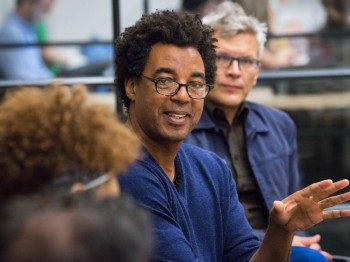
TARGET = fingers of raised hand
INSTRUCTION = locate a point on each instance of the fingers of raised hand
(320, 190)
(335, 200)
(330, 214)
(332, 201)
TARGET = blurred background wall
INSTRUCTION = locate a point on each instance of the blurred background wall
(82, 19)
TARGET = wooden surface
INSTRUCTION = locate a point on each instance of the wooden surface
(301, 102)
(106, 98)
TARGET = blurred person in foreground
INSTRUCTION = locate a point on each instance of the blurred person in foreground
(75, 227)
(165, 67)
(55, 138)
(258, 143)
(60, 200)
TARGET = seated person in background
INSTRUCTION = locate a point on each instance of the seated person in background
(74, 227)
(29, 63)
(55, 137)
(258, 143)
(165, 64)
(292, 17)
(23, 63)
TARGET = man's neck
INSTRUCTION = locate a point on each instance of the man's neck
(164, 156)
(163, 152)
(230, 114)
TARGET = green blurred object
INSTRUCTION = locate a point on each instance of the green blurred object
(42, 35)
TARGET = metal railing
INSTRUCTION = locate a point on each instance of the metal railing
(96, 80)
(292, 74)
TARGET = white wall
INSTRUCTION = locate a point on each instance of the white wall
(78, 20)
(5, 6)
(131, 10)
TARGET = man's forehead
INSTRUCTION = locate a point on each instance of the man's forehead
(242, 42)
(170, 51)
(168, 58)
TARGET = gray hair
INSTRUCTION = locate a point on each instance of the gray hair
(229, 19)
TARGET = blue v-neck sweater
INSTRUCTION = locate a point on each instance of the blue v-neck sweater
(199, 217)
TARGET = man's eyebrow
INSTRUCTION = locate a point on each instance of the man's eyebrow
(171, 71)
(223, 54)
(164, 70)
(199, 75)
(230, 56)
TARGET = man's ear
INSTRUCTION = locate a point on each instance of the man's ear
(130, 88)
(257, 74)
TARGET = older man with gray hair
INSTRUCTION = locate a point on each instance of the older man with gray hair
(258, 143)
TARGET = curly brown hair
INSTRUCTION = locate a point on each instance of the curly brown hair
(168, 27)
(44, 132)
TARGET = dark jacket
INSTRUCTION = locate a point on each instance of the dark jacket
(271, 147)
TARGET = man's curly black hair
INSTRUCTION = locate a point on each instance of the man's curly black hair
(169, 27)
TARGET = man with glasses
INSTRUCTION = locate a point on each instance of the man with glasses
(257, 143)
(168, 87)
(165, 65)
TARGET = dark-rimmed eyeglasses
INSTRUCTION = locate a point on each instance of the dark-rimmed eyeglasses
(244, 63)
(169, 87)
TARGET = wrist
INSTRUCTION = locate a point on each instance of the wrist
(281, 231)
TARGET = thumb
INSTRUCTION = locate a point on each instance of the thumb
(278, 213)
(278, 207)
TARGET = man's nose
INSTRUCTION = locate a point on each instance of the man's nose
(234, 67)
(182, 93)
